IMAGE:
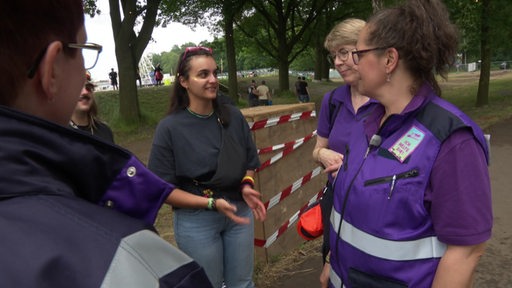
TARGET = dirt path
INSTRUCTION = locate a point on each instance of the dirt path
(495, 269)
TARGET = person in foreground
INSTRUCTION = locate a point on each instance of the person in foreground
(85, 116)
(63, 191)
(413, 206)
(341, 117)
(205, 147)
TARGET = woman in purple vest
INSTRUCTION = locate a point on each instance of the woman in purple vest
(412, 201)
(341, 116)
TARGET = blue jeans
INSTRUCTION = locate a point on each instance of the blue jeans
(304, 98)
(224, 249)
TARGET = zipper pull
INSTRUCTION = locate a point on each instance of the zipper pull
(392, 186)
(345, 157)
(367, 151)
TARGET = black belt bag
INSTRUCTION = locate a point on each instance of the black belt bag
(199, 189)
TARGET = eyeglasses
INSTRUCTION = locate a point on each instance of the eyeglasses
(356, 55)
(90, 54)
(342, 54)
(189, 50)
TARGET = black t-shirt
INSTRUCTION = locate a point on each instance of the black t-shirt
(100, 130)
(302, 88)
(185, 146)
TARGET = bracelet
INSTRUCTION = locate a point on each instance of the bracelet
(248, 180)
(327, 259)
(211, 204)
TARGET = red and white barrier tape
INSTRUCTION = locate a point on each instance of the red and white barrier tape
(290, 222)
(292, 188)
(287, 144)
(280, 155)
(280, 120)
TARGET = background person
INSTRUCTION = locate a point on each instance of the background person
(113, 79)
(297, 87)
(341, 117)
(58, 229)
(253, 94)
(206, 147)
(159, 75)
(85, 116)
(264, 94)
(417, 187)
(303, 90)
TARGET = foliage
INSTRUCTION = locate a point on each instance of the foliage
(466, 15)
(282, 34)
(169, 60)
(90, 7)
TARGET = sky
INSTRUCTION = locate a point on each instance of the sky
(99, 30)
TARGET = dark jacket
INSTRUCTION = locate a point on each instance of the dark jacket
(54, 233)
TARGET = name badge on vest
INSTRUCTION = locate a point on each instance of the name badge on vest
(407, 144)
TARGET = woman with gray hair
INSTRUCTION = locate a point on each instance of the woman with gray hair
(341, 117)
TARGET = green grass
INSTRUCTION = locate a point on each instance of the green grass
(460, 89)
(153, 102)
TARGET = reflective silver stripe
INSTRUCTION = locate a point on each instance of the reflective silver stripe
(335, 279)
(425, 248)
(141, 259)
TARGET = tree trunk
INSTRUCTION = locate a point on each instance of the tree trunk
(321, 64)
(284, 66)
(129, 110)
(482, 97)
(231, 55)
(129, 50)
(284, 80)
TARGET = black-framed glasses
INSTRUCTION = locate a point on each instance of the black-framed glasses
(90, 54)
(341, 54)
(356, 54)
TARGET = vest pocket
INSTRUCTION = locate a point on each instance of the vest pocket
(392, 180)
(359, 279)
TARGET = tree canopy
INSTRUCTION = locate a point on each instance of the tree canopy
(282, 34)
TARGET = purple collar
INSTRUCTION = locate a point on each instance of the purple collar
(372, 124)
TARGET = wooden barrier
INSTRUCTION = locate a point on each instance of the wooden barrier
(288, 178)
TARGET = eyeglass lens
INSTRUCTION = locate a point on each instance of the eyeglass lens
(341, 54)
(355, 57)
(90, 58)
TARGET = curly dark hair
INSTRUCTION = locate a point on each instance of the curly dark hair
(421, 32)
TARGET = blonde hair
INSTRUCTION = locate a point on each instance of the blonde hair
(344, 33)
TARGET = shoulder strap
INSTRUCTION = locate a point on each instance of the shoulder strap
(333, 109)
